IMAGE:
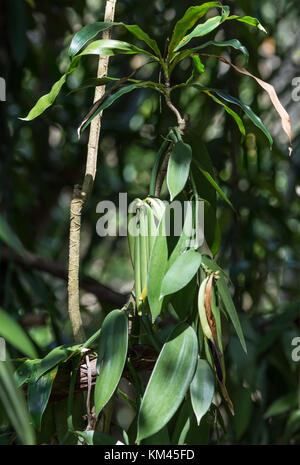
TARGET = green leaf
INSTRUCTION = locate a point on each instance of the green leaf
(110, 47)
(202, 389)
(141, 35)
(24, 371)
(198, 63)
(85, 34)
(157, 267)
(15, 335)
(230, 308)
(107, 103)
(227, 43)
(178, 168)
(216, 186)
(14, 403)
(169, 381)
(251, 115)
(282, 405)
(39, 390)
(94, 82)
(91, 30)
(8, 236)
(55, 357)
(243, 412)
(293, 424)
(111, 356)
(97, 438)
(201, 30)
(190, 17)
(249, 20)
(181, 272)
(236, 117)
(48, 99)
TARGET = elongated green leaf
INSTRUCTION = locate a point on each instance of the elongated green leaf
(106, 47)
(85, 34)
(48, 99)
(91, 30)
(8, 236)
(107, 103)
(55, 357)
(181, 272)
(24, 371)
(190, 17)
(293, 424)
(15, 335)
(97, 438)
(178, 168)
(39, 390)
(236, 117)
(141, 35)
(227, 43)
(202, 389)
(248, 20)
(111, 47)
(190, 52)
(251, 115)
(102, 81)
(282, 405)
(157, 267)
(230, 308)
(14, 403)
(216, 186)
(202, 29)
(111, 356)
(169, 381)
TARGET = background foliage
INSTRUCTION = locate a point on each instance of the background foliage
(41, 161)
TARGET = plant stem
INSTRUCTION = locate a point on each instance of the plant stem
(81, 195)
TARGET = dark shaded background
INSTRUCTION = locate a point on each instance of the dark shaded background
(42, 160)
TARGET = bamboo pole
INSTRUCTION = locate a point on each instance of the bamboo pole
(82, 194)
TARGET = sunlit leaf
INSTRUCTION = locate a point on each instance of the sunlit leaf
(15, 406)
(189, 19)
(15, 335)
(230, 308)
(169, 381)
(202, 389)
(235, 116)
(48, 99)
(157, 267)
(111, 356)
(110, 47)
(39, 390)
(178, 168)
(181, 272)
(248, 20)
(91, 30)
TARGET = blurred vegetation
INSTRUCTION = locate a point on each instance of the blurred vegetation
(41, 161)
